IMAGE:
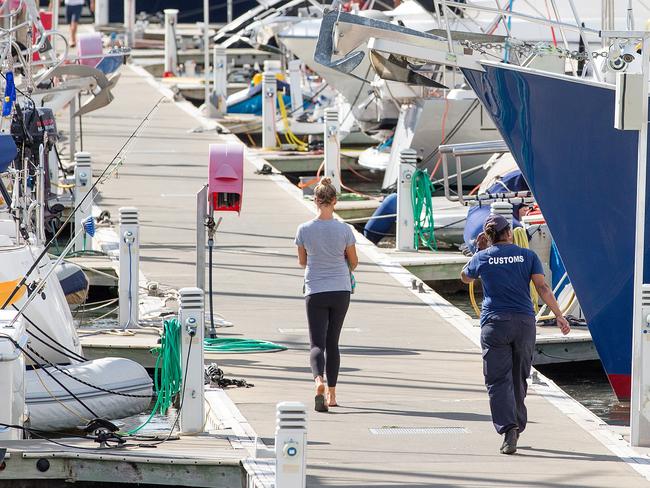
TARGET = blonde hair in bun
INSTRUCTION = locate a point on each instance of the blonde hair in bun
(324, 193)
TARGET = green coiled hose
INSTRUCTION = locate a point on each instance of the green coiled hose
(236, 344)
(168, 376)
(421, 199)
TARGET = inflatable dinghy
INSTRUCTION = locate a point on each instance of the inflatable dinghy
(50, 407)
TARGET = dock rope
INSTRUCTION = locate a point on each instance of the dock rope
(288, 133)
(520, 238)
(421, 200)
(472, 299)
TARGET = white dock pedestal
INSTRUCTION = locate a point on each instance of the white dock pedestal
(171, 54)
(290, 445)
(332, 147)
(83, 177)
(129, 267)
(129, 22)
(191, 317)
(219, 80)
(101, 12)
(502, 208)
(405, 217)
(269, 101)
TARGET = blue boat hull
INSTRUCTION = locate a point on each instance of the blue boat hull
(582, 172)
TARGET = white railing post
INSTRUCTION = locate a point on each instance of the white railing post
(171, 53)
(129, 267)
(219, 80)
(83, 181)
(290, 445)
(295, 82)
(206, 54)
(72, 128)
(269, 101)
(129, 22)
(332, 147)
(101, 12)
(191, 316)
(405, 219)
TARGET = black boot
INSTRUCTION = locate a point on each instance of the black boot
(510, 438)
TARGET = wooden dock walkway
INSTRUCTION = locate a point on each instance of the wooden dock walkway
(414, 410)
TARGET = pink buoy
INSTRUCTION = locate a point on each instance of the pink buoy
(226, 181)
(87, 45)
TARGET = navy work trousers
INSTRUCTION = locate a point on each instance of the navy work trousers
(508, 343)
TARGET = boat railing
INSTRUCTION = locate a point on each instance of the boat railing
(458, 151)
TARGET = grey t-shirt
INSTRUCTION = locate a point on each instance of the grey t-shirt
(325, 242)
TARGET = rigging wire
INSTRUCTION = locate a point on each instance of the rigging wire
(105, 173)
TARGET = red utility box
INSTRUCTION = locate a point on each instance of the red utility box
(226, 180)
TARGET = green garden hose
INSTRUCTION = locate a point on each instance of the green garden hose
(236, 344)
(421, 199)
(168, 376)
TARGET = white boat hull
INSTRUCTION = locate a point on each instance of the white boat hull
(48, 312)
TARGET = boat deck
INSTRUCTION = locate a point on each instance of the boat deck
(414, 411)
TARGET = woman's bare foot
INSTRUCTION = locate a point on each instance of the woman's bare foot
(331, 397)
(320, 405)
(320, 385)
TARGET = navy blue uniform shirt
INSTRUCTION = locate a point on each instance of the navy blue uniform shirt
(505, 271)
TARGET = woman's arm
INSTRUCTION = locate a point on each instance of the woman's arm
(549, 299)
(302, 256)
(351, 256)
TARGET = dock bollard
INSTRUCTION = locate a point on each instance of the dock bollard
(269, 101)
(502, 208)
(295, 83)
(129, 268)
(290, 445)
(219, 80)
(171, 53)
(405, 217)
(83, 181)
(332, 147)
(191, 316)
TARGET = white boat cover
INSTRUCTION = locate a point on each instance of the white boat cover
(50, 407)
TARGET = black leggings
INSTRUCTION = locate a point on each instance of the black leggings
(325, 314)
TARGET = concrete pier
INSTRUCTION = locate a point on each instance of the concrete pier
(414, 410)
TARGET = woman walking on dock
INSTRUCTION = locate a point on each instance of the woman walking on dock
(326, 249)
(508, 324)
